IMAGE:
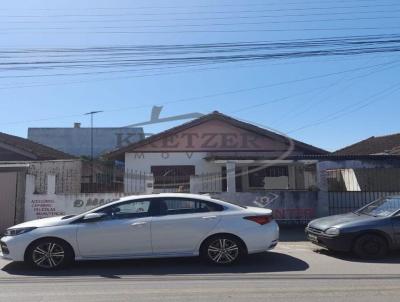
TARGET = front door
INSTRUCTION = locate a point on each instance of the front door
(124, 231)
(181, 224)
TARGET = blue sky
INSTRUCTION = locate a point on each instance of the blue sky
(303, 109)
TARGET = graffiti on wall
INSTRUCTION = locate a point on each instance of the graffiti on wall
(45, 208)
(287, 207)
(92, 202)
(284, 211)
(39, 206)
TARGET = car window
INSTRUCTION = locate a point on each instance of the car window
(174, 206)
(128, 209)
(382, 207)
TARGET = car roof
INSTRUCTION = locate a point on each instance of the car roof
(161, 195)
(204, 197)
(155, 195)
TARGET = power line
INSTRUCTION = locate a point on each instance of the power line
(223, 12)
(255, 106)
(288, 22)
(349, 109)
(182, 69)
(181, 55)
(213, 18)
(229, 92)
(124, 77)
(191, 6)
(316, 29)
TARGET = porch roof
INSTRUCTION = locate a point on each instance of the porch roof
(213, 156)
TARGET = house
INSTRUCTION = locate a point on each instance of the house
(216, 153)
(14, 148)
(19, 156)
(378, 145)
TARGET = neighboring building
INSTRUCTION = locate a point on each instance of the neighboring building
(374, 145)
(14, 148)
(217, 153)
(19, 156)
(77, 140)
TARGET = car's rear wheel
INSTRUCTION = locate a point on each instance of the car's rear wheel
(370, 246)
(49, 254)
(222, 250)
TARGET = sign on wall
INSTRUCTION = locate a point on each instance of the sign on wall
(39, 206)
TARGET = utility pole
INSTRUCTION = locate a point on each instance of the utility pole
(91, 145)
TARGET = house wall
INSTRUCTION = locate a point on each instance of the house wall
(143, 161)
(67, 172)
(215, 136)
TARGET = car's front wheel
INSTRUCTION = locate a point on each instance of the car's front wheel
(222, 250)
(370, 246)
(49, 254)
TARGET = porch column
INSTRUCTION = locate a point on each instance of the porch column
(231, 177)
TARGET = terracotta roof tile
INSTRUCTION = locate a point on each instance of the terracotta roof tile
(38, 151)
(388, 144)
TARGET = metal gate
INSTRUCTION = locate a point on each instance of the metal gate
(350, 189)
(344, 202)
(8, 194)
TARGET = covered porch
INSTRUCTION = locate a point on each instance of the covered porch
(256, 174)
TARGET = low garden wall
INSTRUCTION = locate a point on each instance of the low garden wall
(292, 207)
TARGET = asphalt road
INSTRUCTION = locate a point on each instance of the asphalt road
(294, 271)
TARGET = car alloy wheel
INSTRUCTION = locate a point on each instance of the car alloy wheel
(223, 251)
(49, 254)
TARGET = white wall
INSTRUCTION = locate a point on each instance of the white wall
(68, 173)
(50, 204)
(142, 162)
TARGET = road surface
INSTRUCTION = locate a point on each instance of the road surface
(294, 271)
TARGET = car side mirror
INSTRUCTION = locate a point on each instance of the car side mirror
(91, 217)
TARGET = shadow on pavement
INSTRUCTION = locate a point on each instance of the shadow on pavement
(393, 257)
(259, 263)
(289, 233)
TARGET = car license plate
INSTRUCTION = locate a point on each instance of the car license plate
(313, 238)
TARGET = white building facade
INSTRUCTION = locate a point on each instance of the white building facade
(216, 153)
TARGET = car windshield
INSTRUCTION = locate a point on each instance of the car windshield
(382, 207)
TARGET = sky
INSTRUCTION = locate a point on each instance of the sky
(328, 111)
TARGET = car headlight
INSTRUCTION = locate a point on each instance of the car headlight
(18, 231)
(332, 232)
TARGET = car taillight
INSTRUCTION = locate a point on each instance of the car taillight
(260, 219)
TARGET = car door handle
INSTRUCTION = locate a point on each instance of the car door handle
(209, 217)
(139, 224)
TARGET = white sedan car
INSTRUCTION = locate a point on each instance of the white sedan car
(147, 226)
